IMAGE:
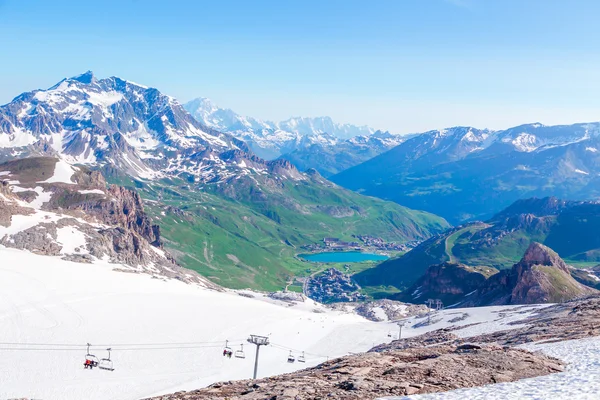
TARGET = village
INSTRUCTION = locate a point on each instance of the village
(363, 243)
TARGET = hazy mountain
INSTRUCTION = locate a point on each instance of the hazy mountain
(317, 143)
(464, 173)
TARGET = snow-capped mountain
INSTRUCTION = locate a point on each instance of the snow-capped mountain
(273, 139)
(125, 126)
(463, 173)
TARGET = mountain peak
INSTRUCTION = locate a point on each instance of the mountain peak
(538, 254)
(86, 78)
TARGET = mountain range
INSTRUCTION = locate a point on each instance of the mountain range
(317, 143)
(224, 211)
(499, 243)
(464, 173)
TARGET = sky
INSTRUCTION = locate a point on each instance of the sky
(398, 65)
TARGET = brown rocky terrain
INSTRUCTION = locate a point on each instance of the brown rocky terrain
(409, 371)
(111, 219)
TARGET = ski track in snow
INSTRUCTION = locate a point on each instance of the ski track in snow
(580, 381)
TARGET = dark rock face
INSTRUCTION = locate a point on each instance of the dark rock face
(540, 277)
(448, 282)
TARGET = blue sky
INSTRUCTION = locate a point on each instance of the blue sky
(400, 65)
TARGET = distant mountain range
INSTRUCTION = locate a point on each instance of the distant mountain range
(465, 173)
(317, 143)
(224, 211)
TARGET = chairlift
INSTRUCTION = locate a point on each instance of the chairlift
(301, 358)
(240, 353)
(389, 334)
(91, 360)
(291, 358)
(106, 363)
(227, 352)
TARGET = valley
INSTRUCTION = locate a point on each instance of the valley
(299, 200)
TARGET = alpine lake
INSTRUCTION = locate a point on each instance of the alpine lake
(342, 257)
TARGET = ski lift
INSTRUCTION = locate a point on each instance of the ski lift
(106, 363)
(389, 334)
(91, 360)
(240, 353)
(291, 357)
(227, 352)
(301, 358)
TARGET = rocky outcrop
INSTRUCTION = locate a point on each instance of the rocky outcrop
(381, 310)
(333, 286)
(82, 220)
(415, 370)
(449, 282)
(540, 277)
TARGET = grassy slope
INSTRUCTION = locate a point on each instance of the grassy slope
(247, 243)
(568, 234)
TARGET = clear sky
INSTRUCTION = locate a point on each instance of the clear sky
(401, 65)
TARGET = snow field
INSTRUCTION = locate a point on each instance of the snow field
(56, 303)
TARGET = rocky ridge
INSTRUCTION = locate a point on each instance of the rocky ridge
(540, 277)
(50, 207)
(412, 370)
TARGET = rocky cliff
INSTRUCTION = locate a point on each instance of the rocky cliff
(448, 282)
(540, 277)
(50, 207)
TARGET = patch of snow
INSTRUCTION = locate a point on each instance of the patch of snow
(525, 142)
(20, 222)
(42, 197)
(104, 99)
(594, 277)
(71, 239)
(63, 172)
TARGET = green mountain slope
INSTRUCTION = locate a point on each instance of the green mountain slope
(243, 234)
(567, 227)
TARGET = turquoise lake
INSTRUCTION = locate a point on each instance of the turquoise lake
(342, 257)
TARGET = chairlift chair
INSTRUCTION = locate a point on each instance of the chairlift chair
(291, 358)
(227, 352)
(106, 363)
(91, 360)
(240, 353)
(301, 358)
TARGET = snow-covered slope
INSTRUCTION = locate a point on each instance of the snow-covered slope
(165, 335)
(273, 139)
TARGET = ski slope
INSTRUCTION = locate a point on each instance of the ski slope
(61, 306)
